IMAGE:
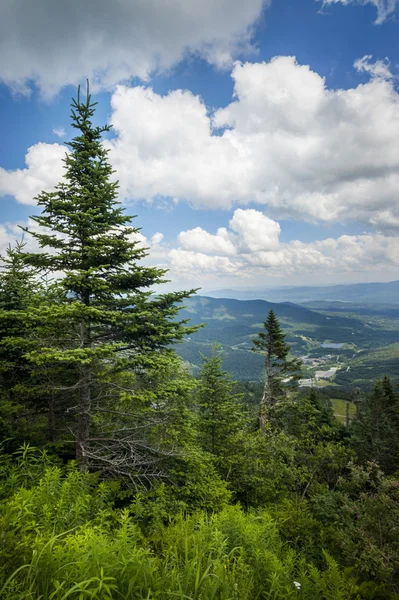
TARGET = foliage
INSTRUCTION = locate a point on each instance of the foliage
(363, 517)
(221, 414)
(64, 538)
(375, 431)
(111, 328)
(176, 493)
(281, 371)
(20, 389)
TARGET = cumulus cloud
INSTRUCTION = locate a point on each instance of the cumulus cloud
(251, 231)
(255, 231)
(198, 240)
(200, 256)
(184, 264)
(197, 253)
(157, 238)
(385, 8)
(11, 232)
(59, 43)
(44, 168)
(285, 141)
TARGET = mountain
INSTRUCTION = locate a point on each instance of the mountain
(233, 323)
(368, 293)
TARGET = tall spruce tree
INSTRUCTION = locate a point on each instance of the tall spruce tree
(24, 300)
(220, 410)
(115, 324)
(375, 430)
(19, 290)
(281, 372)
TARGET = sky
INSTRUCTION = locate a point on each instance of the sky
(256, 142)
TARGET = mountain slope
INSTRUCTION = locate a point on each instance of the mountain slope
(233, 324)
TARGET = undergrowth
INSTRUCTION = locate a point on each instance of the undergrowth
(62, 537)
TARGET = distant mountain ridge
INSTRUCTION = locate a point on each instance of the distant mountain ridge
(237, 320)
(368, 293)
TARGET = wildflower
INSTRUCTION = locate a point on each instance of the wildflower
(297, 585)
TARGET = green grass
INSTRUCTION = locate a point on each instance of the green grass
(339, 407)
(325, 383)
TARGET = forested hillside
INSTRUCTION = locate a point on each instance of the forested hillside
(123, 475)
(362, 342)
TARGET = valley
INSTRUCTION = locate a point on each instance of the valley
(341, 346)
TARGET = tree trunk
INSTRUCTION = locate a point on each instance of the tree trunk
(52, 433)
(84, 406)
(347, 418)
(266, 401)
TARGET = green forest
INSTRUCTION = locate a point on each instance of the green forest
(124, 475)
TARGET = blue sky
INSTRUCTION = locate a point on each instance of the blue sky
(246, 166)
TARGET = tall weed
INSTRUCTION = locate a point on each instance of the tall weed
(63, 538)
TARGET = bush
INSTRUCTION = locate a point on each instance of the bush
(63, 538)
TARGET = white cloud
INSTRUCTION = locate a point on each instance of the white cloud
(196, 256)
(251, 231)
(198, 240)
(12, 232)
(157, 238)
(195, 266)
(378, 68)
(44, 168)
(385, 8)
(55, 44)
(199, 258)
(255, 231)
(59, 132)
(286, 141)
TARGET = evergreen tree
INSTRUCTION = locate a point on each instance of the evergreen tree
(308, 417)
(221, 414)
(25, 299)
(375, 431)
(281, 372)
(356, 398)
(19, 291)
(114, 324)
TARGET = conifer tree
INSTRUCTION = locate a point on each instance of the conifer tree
(24, 387)
(281, 372)
(308, 417)
(375, 431)
(114, 322)
(220, 411)
(17, 291)
(356, 398)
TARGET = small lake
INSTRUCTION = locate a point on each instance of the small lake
(335, 346)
